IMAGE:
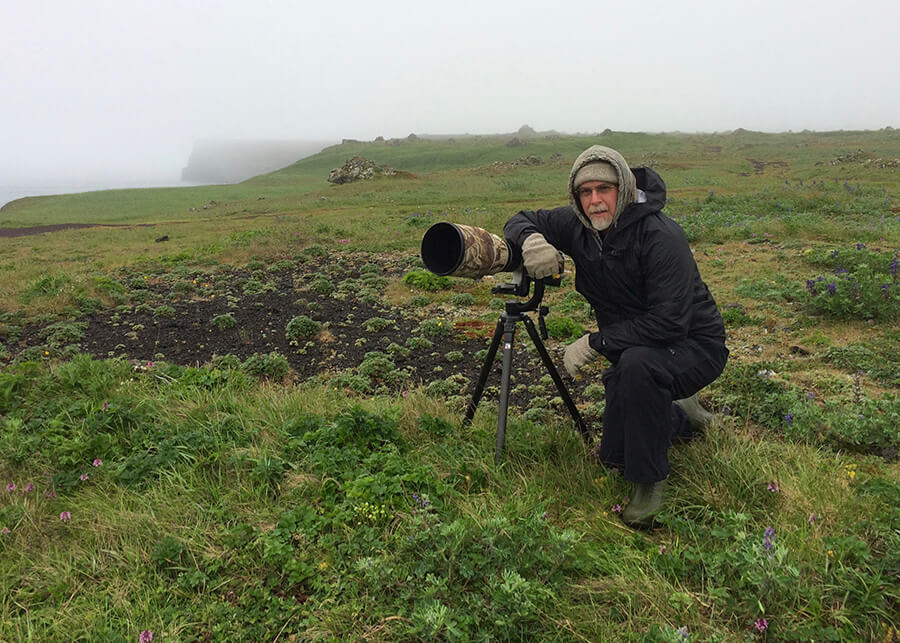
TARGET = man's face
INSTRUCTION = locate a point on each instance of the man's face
(598, 200)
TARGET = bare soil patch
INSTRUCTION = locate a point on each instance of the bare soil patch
(174, 323)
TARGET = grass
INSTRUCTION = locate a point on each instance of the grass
(233, 502)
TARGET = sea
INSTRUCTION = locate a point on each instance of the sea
(10, 191)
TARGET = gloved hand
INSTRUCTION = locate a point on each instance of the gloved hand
(540, 258)
(579, 354)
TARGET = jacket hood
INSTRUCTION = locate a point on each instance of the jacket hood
(648, 181)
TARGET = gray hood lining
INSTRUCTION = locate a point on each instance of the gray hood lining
(627, 182)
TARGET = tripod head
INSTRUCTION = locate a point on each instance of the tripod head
(520, 286)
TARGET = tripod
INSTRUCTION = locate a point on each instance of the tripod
(516, 311)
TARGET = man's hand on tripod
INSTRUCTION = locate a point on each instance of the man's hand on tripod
(578, 355)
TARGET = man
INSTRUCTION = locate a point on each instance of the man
(657, 322)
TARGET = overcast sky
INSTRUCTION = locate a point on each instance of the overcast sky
(128, 86)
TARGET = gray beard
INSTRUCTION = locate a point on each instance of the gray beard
(599, 224)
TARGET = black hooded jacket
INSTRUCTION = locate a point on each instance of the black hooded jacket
(639, 275)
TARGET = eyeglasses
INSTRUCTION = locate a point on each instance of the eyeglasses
(601, 190)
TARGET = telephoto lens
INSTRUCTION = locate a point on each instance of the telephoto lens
(464, 251)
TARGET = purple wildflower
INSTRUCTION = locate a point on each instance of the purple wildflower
(761, 625)
(860, 246)
(683, 631)
(812, 519)
(146, 636)
(832, 288)
(65, 516)
(834, 254)
(662, 549)
(28, 488)
(789, 419)
(810, 396)
(11, 487)
(84, 476)
(768, 535)
(894, 267)
(105, 405)
(773, 487)
(5, 530)
(811, 286)
(97, 462)
(50, 494)
(617, 509)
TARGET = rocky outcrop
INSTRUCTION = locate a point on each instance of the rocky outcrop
(865, 159)
(524, 161)
(358, 168)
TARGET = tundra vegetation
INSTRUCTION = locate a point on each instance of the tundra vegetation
(252, 430)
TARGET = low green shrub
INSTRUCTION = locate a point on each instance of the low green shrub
(377, 324)
(253, 286)
(223, 321)
(415, 342)
(425, 280)
(63, 333)
(302, 327)
(563, 328)
(437, 327)
(380, 368)
(454, 356)
(282, 265)
(269, 365)
(322, 285)
(462, 299)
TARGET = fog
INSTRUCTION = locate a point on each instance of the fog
(102, 91)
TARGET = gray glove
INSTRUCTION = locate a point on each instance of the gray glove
(579, 354)
(540, 258)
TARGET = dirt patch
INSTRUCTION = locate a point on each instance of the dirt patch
(760, 166)
(8, 233)
(191, 319)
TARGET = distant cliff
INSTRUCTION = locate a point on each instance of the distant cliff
(222, 161)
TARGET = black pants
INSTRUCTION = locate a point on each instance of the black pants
(640, 421)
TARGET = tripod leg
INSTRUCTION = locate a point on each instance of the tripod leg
(554, 374)
(485, 371)
(509, 334)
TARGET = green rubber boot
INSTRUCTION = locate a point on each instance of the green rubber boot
(699, 417)
(645, 503)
